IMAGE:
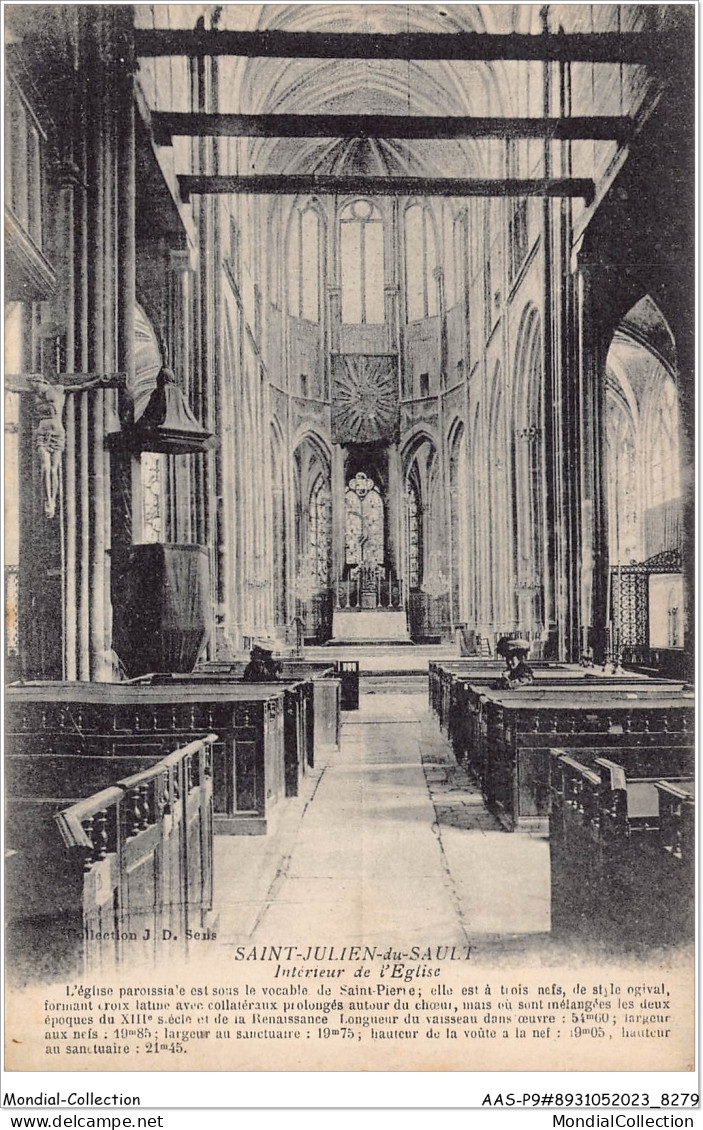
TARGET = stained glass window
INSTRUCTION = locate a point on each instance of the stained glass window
(320, 531)
(364, 522)
(413, 535)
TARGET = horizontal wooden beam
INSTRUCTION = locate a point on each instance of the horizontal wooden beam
(588, 47)
(168, 125)
(313, 185)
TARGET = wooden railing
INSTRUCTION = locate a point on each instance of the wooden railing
(145, 848)
(368, 590)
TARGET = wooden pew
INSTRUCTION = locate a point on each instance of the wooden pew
(115, 876)
(514, 734)
(677, 821)
(445, 676)
(124, 719)
(442, 674)
(464, 728)
(299, 715)
(613, 870)
(326, 691)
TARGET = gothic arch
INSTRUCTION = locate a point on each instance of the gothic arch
(315, 438)
(414, 438)
(313, 528)
(296, 216)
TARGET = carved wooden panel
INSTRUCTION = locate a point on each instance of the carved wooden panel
(364, 398)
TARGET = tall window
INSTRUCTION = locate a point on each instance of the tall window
(363, 508)
(320, 531)
(624, 484)
(304, 265)
(663, 444)
(414, 534)
(420, 263)
(363, 268)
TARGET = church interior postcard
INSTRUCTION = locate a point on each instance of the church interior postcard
(349, 537)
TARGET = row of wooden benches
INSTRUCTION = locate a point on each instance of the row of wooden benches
(606, 766)
(503, 736)
(59, 735)
(132, 853)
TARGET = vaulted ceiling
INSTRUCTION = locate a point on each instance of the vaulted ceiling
(383, 86)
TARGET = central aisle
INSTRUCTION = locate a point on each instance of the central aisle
(367, 864)
(394, 847)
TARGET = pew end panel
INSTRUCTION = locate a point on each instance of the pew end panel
(112, 877)
(613, 871)
(677, 820)
(514, 733)
(47, 900)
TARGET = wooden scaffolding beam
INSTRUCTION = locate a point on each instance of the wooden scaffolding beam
(595, 128)
(311, 184)
(572, 47)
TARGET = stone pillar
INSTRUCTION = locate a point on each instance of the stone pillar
(528, 582)
(338, 517)
(681, 319)
(182, 268)
(334, 295)
(591, 349)
(395, 510)
(392, 313)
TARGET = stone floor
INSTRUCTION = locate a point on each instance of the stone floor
(390, 845)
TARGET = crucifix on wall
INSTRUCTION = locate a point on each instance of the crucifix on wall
(48, 431)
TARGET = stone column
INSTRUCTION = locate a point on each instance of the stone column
(334, 296)
(395, 510)
(338, 516)
(591, 351)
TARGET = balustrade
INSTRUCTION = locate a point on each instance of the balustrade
(368, 589)
(110, 877)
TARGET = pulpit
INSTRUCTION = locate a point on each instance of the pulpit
(161, 606)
